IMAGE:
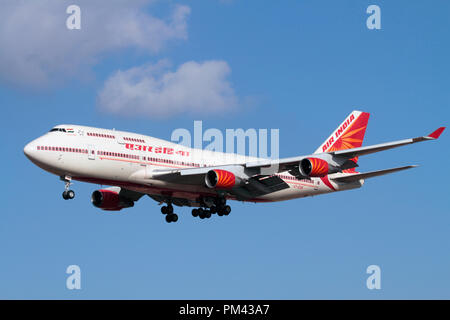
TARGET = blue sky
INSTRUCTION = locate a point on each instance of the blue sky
(300, 67)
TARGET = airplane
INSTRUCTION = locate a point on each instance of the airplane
(134, 165)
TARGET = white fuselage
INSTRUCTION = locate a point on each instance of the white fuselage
(110, 157)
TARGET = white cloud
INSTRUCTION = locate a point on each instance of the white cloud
(154, 90)
(37, 50)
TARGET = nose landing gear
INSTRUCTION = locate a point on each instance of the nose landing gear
(67, 194)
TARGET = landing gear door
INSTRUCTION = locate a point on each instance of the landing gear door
(91, 152)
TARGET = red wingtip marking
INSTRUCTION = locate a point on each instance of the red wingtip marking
(436, 133)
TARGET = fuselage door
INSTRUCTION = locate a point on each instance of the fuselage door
(91, 152)
(142, 157)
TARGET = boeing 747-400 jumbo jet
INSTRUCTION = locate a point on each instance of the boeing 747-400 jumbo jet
(135, 165)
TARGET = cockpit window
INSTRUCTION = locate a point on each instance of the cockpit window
(58, 129)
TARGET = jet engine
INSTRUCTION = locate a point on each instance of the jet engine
(314, 167)
(221, 179)
(110, 200)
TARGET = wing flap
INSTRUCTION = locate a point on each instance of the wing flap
(260, 185)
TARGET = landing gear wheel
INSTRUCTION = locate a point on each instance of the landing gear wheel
(226, 210)
(194, 213)
(171, 217)
(208, 214)
(167, 209)
(68, 194)
(213, 209)
(201, 213)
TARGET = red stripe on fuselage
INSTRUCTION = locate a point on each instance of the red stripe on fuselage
(327, 182)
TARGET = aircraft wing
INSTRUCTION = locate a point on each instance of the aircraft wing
(130, 194)
(126, 193)
(287, 163)
(255, 185)
(356, 152)
(183, 176)
(258, 186)
(259, 176)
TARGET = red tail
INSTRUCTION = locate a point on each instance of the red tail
(349, 134)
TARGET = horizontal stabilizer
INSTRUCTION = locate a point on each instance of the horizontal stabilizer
(358, 176)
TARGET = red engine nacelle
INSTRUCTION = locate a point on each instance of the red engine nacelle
(314, 167)
(110, 200)
(220, 179)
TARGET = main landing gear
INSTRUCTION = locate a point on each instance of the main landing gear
(207, 209)
(219, 207)
(168, 211)
(67, 194)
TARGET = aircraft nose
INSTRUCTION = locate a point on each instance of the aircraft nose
(30, 150)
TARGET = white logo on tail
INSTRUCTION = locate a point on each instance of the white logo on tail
(338, 132)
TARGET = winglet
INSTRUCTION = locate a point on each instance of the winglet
(435, 134)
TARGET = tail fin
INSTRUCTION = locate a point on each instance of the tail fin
(349, 134)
